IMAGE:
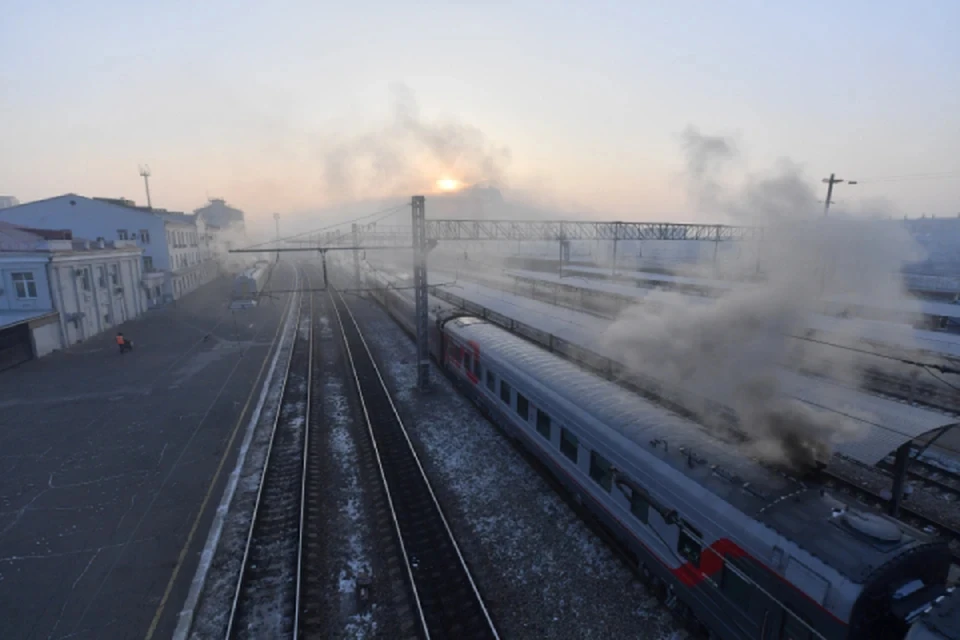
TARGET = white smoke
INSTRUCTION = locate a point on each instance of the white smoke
(734, 351)
(408, 154)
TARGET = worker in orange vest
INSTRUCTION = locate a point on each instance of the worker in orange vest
(123, 343)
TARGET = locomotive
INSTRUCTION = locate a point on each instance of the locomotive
(736, 548)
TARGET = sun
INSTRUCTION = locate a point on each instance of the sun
(448, 184)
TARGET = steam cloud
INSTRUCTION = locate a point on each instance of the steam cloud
(409, 154)
(734, 351)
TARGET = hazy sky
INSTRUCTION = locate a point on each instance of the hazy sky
(288, 105)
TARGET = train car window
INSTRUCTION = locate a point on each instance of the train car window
(476, 365)
(793, 627)
(543, 424)
(491, 383)
(523, 407)
(688, 547)
(505, 392)
(736, 589)
(466, 361)
(568, 444)
(639, 507)
(600, 470)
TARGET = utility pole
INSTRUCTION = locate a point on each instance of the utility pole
(420, 292)
(276, 220)
(145, 174)
(356, 257)
(832, 180)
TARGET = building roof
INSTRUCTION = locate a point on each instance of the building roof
(122, 203)
(13, 318)
(15, 238)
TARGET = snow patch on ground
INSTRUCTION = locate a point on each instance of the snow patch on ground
(352, 526)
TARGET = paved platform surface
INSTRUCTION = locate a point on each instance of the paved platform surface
(106, 459)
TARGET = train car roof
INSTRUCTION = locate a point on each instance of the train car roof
(904, 305)
(785, 504)
(882, 425)
(891, 333)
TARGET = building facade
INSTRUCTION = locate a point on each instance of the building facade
(171, 259)
(56, 291)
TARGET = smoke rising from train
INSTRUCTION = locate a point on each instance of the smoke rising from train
(734, 351)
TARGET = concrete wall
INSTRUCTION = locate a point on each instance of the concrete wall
(46, 338)
(88, 304)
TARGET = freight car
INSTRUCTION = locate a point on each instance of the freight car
(735, 548)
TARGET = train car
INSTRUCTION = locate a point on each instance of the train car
(249, 284)
(940, 620)
(740, 549)
(735, 548)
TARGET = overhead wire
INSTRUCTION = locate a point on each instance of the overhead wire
(383, 213)
(911, 176)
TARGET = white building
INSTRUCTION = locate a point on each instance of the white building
(172, 263)
(56, 291)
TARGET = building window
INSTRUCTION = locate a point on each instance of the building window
(101, 277)
(569, 444)
(491, 383)
(639, 507)
(144, 236)
(505, 392)
(687, 546)
(122, 234)
(523, 407)
(24, 285)
(114, 275)
(600, 470)
(543, 424)
(147, 263)
(85, 278)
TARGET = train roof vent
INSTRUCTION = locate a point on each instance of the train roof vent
(873, 526)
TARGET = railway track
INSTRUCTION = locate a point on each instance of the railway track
(268, 586)
(446, 600)
(931, 477)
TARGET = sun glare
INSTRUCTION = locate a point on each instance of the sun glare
(448, 184)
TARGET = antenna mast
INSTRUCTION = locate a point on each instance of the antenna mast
(145, 173)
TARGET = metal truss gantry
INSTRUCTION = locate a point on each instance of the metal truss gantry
(556, 230)
(580, 230)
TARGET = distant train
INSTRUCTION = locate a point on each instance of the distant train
(249, 284)
(737, 549)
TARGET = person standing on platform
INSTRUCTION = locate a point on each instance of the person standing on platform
(123, 343)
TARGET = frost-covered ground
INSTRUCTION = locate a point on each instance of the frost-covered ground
(543, 573)
(349, 544)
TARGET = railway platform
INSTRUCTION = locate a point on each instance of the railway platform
(111, 465)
